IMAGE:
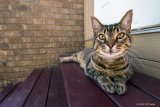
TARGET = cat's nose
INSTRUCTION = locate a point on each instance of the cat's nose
(110, 45)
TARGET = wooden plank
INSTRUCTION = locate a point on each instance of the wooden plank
(38, 95)
(146, 83)
(80, 90)
(7, 92)
(134, 97)
(57, 95)
(20, 95)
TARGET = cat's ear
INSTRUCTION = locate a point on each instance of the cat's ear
(96, 24)
(126, 21)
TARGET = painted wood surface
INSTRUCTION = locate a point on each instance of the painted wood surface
(67, 86)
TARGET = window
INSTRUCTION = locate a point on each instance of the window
(146, 16)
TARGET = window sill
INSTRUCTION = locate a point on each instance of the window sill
(146, 30)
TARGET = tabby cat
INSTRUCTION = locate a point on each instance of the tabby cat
(106, 62)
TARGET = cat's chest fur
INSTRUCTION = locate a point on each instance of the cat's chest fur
(108, 67)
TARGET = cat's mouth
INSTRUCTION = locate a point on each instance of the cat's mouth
(112, 54)
(110, 51)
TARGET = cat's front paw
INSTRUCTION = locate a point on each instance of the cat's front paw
(62, 59)
(108, 87)
(120, 88)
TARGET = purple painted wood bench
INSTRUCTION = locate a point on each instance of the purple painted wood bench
(67, 86)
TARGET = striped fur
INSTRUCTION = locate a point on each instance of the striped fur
(106, 62)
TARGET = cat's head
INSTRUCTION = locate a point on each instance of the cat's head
(112, 41)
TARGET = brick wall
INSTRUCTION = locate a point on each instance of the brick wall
(34, 33)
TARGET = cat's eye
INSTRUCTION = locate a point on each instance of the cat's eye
(120, 35)
(102, 37)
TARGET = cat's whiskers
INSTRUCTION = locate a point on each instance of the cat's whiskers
(130, 61)
(134, 44)
(133, 56)
(136, 52)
